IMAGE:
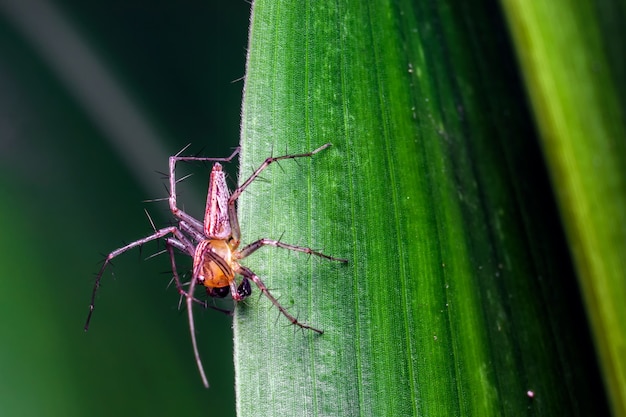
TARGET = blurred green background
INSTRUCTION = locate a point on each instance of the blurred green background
(94, 97)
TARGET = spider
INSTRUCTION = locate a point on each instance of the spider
(213, 245)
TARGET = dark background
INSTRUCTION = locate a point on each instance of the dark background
(93, 98)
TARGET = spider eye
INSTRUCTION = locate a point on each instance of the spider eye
(244, 290)
(220, 292)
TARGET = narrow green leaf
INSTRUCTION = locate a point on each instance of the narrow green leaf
(572, 71)
(458, 298)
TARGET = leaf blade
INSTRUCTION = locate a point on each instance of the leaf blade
(437, 313)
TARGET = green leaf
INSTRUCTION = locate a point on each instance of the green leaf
(459, 298)
(574, 71)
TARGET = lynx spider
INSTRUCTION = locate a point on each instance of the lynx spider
(213, 244)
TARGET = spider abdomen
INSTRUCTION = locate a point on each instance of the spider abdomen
(212, 264)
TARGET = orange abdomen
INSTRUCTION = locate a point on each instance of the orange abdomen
(212, 264)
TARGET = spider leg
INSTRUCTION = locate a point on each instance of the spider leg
(190, 300)
(178, 245)
(232, 210)
(191, 230)
(254, 246)
(235, 195)
(178, 213)
(248, 274)
(170, 244)
(158, 234)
